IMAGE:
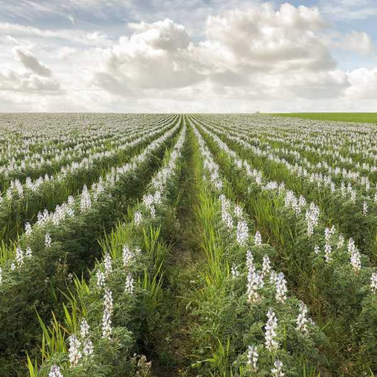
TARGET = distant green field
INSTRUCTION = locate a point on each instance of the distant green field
(346, 117)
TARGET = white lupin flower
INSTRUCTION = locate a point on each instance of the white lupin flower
(88, 347)
(273, 276)
(238, 211)
(100, 278)
(242, 232)
(249, 260)
(353, 196)
(48, 240)
(270, 331)
(351, 246)
(328, 251)
(74, 350)
(153, 212)
(373, 282)
(328, 233)
(106, 324)
(12, 266)
(227, 219)
(138, 218)
(55, 371)
(127, 256)
(355, 261)
(28, 229)
(302, 319)
(19, 257)
(278, 370)
(148, 200)
(252, 358)
(106, 319)
(28, 252)
(85, 200)
(355, 257)
(254, 283)
(266, 267)
(281, 288)
(258, 239)
(234, 271)
(365, 208)
(84, 328)
(129, 284)
(312, 218)
(108, 299)
(316, 249)
(107, 264)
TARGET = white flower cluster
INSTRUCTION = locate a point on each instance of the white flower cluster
(292, 202)
(254, 280)
(257, 239)
(302, 319)
(312, 218)
(373, 282)
(85, 200)
(87, 343)
(127, 256)
(252, 358)
(242, 233)
(55, 372)
(48, 240)
(107, 262)
(226, 216)
(278, 370)
(266, 266)
(365, 208)
(138, 218)
(271, 342)
(234, 272)
(281, 288)
(74, 350)
(107, 313)
(355, 256)
(129, 288)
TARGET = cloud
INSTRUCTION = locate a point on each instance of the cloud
(357, 41)
(363, 84)
(34, 76)
(345, 10)
(239, 44)
(353, 41)
(30, 62)
(157, 55)
(82, 37)
(262, 39)
(252, 55)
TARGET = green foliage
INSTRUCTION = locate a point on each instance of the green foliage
(338, 117)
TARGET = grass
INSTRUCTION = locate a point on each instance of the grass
(339, 117)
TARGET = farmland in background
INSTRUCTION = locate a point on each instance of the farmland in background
(193, 245)
(339, 117)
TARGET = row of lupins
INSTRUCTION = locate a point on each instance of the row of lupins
(344, 205)
(22, 202)
(18, 168)
(119, 278)
(316, 254)
(64, 242)
(276, 325)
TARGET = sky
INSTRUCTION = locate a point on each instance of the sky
(188, 56)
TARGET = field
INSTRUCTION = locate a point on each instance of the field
(187, 245)
(339, 117)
